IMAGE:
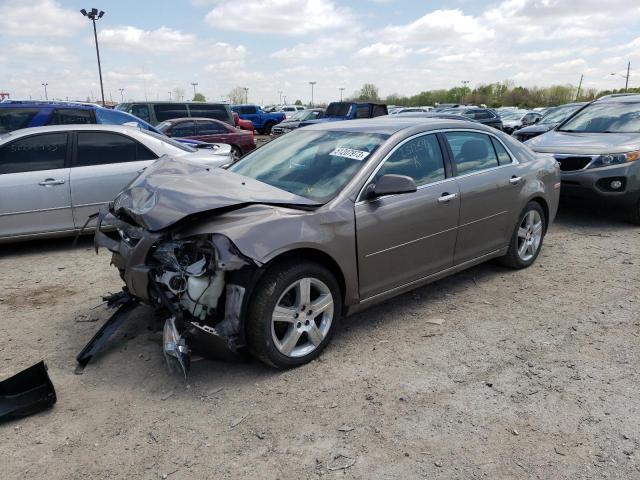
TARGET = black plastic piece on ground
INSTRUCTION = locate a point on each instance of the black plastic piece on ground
(26, 393)
(105, 332)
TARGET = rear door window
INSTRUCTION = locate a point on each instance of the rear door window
(37, 152)
(379, 110)
(70, 116)
(16, 118)
(167, 111)
(99, 148)
(210, 128)
(472, 152)
(184, 129)
(217, 112)
(248, 110)
(362, 111)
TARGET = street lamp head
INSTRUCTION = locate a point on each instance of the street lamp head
(94, 14)
(83, 12)
(100, 14)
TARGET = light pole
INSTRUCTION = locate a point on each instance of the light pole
(169, 95)
(280, 96)
(464, 89)
(341, 90)
(121, 94)
(44, 84)
(194, 84)
(626, 77)
(246, 94)
(312, 84)
(94, 15)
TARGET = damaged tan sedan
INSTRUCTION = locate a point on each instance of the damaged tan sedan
(271, 252)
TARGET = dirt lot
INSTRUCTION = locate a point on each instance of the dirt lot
(532, 374)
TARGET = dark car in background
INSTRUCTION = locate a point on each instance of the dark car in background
(598, 149)
(296, 119)
(486, 116)
(339, 111)
(17, 114)
(212, 131)
(156, 112)
(550, 119)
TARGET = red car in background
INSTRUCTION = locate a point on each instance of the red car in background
(210, 131)
(243, 124)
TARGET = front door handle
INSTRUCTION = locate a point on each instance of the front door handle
(447, 197)
(50, 181)
(515, 180)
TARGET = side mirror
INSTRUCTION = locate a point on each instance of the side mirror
(390, 185)
(537, 120)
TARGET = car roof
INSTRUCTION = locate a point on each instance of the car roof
(184, 119)
(390, 125)
(125, 129)
(40, 104)
(619, 98)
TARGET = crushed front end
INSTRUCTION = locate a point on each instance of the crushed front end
(198, 285)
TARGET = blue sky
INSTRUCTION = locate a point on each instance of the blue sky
(149, 48)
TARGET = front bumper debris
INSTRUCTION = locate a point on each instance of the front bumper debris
(26, 393)
(197, 285)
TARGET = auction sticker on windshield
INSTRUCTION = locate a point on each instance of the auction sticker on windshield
(349, 153)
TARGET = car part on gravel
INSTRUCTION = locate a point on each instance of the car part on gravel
(125, 304)
(27, 392)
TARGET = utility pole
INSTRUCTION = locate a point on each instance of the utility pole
(121, 94)
(94, 15)
(280, 96)
(341, 90)
(464, 90)
(246, 94)
(44, 84)
(579, 87)
(626, 83)
(169, 95)
(312, 84)
(194, 84)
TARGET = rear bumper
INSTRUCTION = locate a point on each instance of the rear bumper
(595, 185)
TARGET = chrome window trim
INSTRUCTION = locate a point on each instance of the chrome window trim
(514, 160)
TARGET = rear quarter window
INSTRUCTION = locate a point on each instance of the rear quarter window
(16, 118)
(70, 116)
(167, 111)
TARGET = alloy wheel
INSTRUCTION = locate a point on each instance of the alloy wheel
(302, 317)
(529, 235)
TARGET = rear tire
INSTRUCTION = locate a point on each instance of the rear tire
(266, 130)
(293, 314)
(236, 153)
(527, 237)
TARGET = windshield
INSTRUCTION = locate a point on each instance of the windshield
(170, 141)
(512, 115)
(605, 118)
(559, 114)
(312, 164)
(298, 116)
(338, 109)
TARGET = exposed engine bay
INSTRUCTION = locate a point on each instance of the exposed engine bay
(197, 286)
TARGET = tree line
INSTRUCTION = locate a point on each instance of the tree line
(495, 95)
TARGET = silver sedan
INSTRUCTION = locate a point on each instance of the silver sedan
(52, 178)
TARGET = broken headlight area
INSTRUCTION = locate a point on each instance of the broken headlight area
(192, 280)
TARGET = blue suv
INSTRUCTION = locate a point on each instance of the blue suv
(16, 114)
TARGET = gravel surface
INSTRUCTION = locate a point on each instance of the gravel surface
(490, 373)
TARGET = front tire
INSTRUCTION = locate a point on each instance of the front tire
(527, 237)
(266, 130)
(293, 314)
(634, 213)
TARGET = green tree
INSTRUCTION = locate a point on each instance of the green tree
(237, 95)
(368, 93)
(298, 102)
(198, 97)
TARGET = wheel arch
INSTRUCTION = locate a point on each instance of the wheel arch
(545, 208)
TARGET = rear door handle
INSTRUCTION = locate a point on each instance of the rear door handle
(447, 197)
(50, 181)
(515, 180)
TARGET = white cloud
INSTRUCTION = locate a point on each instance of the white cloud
(384, 50)
(322, 47)
(440, 26)
(60, 53)
(281, 17)
(161, 40)
(39, 18)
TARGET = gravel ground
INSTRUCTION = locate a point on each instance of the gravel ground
(490, 373)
